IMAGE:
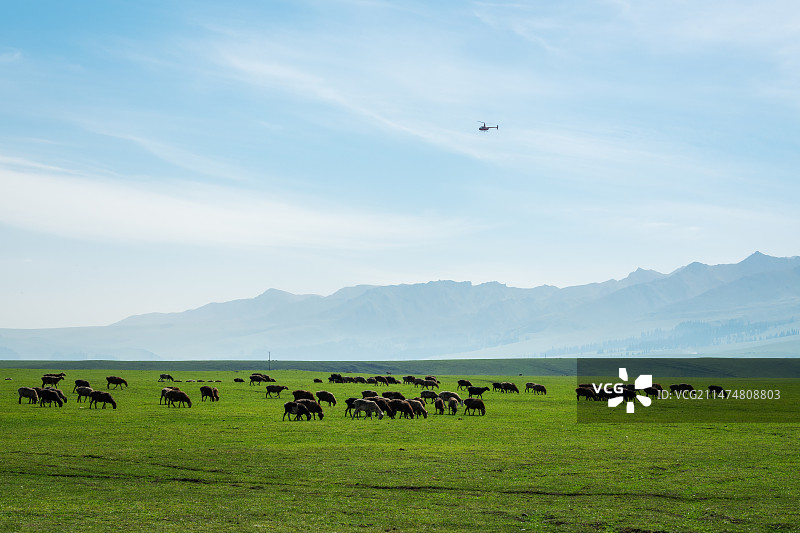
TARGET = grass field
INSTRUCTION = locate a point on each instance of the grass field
(235, 465)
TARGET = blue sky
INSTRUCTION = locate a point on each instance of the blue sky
(157, 156)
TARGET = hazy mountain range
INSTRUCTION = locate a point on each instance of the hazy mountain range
(749, 308)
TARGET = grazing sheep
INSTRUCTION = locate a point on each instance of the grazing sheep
(474, 404)
(438, 405)
(208, 392)
(257, 378)
(276, 390)
(80, 383)
(116, 381)
(381, 380)
(402, 407)
(165, 394)
(29, 393)
(166, 377)
(368, 393)
(83, 392)
(497, 386)
(313, 407)
(717, 391)
(681, 387)
(452, 405)
(297, 409)
(429, 395)
(336, 378)
(477, 391)
(651, 391)
(463, 384)
(178, 396)
(317, 380)
(540, 389)
(51, 379)
(367, 406)
(507, 386)
(586, 392)
(349, 403)
(384, 404)
(102, 396)
(302, 394)
(408, 380)
(529, 386)
(325, 396)
(49, 396)
(447, 395)
(419, 408)
(430, 384)
(238, 380)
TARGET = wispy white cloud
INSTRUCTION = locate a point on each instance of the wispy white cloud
(85, 208)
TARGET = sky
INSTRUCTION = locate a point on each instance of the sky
(157, 156)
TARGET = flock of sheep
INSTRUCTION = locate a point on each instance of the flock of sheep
(50, 394)
(391, 403)
(305, 404)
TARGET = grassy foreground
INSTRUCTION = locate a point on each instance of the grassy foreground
(235, 465)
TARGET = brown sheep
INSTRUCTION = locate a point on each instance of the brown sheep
(368, 393)
(507, 386)
(651, 391)
(116, 381)
(29, 393)
(325, 396)
(258, 378)
(419, 408)
(384, 404)
(540, 389)
(408, 380)
(349, 403)
(165, 394)
(84, 392)
(529, 386)
(303, 395)
(428, 395)
(402, 407)
(477, 391)
(49, 396)
(51, 379)
(586, 392)
(102, 396)
(717, 392)
(208, 392)
(474, 404)
(497, 386)
(297, 409)
(438, 405)
(430, 384)
(80, 383)
(463, 384)
(452, 406)
(367, 406)
(393, 395)
(165, 377)
(447, 395)
(178, 396)
(313, 407)
(276, 390)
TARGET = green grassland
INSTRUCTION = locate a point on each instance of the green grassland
(235, 465)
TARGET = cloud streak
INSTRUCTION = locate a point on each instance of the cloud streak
(85, 208)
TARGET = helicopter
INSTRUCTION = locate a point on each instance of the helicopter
(487, 128)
